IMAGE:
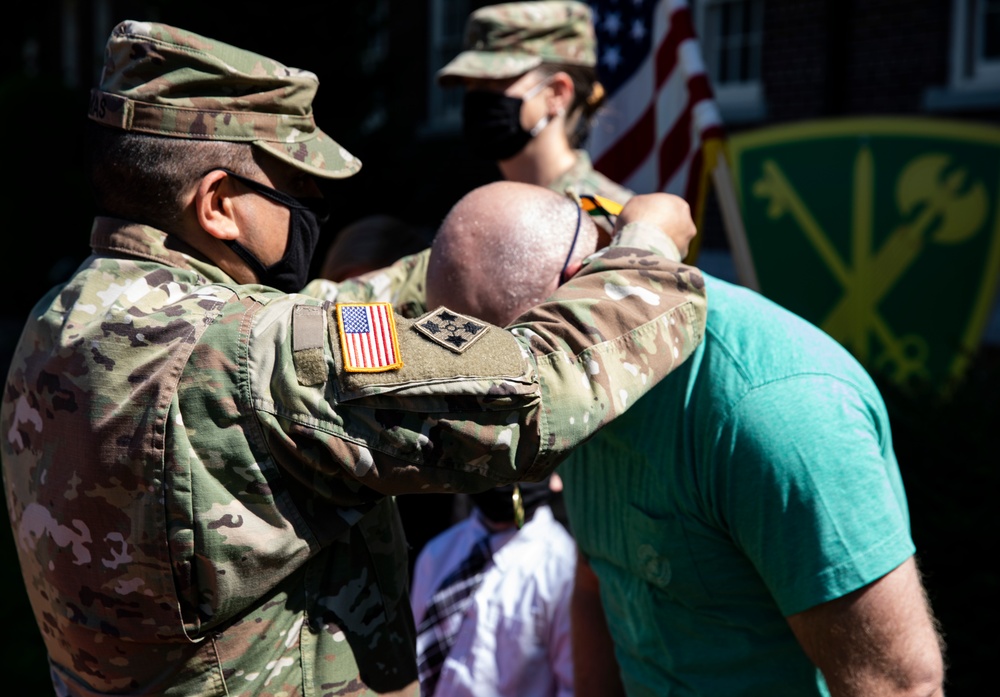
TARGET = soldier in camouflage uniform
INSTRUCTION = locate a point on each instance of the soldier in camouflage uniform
(531, 91)
(199, 463)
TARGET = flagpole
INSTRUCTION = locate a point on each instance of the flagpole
(732, 220)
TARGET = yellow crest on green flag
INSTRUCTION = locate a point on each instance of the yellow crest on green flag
(884, 232)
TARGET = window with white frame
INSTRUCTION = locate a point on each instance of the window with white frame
(447, 32)
(731, 34)
(974, 73)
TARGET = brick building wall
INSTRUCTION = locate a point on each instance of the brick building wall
(898, 48)
(795, 68)
(824, 57)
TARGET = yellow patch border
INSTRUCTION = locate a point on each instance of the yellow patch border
(392, 334)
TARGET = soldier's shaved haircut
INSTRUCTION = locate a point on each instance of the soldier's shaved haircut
(501, 250)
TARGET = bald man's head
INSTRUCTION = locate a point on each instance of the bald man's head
(501, 250)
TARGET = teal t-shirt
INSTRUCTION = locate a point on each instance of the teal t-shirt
(756, 481)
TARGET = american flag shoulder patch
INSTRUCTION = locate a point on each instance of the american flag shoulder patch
(368, 337)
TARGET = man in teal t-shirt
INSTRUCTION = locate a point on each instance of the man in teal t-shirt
(757, 483)
(743, 529)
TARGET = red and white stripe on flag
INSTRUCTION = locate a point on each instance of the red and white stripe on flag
(654, 130)
(368, 337)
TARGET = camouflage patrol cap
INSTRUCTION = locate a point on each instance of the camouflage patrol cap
(166, 81)
(509, 39)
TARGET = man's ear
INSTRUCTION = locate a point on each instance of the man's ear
(214, 205)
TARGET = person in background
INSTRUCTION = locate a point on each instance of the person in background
(528, 70)
(743, 529)
(511, 636)
(370, 243)
(200, 449)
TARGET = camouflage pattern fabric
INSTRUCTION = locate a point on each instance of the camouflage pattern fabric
(509, 39)
(584, 179)
(187, 468)
(402, 284)
(165, 81)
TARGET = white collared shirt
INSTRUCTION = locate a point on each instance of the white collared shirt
(515, 637)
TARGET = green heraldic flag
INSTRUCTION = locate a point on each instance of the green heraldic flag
(885, 232)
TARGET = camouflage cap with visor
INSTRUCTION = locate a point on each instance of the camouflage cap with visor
(165, 81)
(509, 39)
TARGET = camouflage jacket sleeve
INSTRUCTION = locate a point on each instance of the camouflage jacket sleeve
(402, 284)
(461, 405)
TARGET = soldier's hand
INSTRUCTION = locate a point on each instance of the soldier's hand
(668, 212)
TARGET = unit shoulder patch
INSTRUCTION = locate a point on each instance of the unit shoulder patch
(454, 331)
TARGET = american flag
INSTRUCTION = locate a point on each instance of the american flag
(368, 337)
(660, 123)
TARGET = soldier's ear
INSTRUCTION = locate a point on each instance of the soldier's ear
(562, 92)
(215, 205)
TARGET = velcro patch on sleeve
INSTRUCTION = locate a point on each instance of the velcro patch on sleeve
(452, 330)
(368, 337)
(435, 368)
(308, 334)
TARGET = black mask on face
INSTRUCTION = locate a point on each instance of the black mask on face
(291, 272)
(491, 123)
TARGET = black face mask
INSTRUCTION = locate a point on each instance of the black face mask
(491, 124)
(291, 272)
